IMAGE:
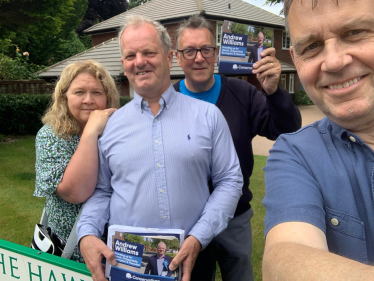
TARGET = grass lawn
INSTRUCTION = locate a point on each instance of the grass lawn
(20, 210)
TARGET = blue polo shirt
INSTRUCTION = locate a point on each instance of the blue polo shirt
(324, 175)
(210, 96)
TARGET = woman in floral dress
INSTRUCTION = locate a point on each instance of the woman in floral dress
(66, 146)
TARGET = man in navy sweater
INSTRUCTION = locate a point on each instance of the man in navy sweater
(248, 113)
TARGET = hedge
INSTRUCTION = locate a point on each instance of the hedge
(301, 98)
(21, 114)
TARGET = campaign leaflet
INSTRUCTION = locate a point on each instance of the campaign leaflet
(236, 52)
(135, 249)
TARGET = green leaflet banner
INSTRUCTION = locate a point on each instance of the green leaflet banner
(25, 264)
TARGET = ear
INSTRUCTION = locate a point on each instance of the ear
(292, 55)
(178, 56)
(170, 58)
(123, 64)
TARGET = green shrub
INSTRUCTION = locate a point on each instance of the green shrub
(301, 98)
(18, 68)
(124, 100)
(21, 114)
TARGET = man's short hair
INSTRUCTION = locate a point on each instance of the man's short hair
(287, 6)
(137, 20)
(163, 243)
(195, 22)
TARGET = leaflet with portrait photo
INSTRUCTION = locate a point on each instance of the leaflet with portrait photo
(135, 249)
(236, 53)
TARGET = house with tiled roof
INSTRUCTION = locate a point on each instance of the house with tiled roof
(171, 13)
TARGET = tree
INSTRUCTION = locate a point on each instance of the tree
(273, 2)
(135, 3)
(100, 10)
(39, 25)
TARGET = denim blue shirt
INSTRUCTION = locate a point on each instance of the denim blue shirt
(154, 170)
(323, 175)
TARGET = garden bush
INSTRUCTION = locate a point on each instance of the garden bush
(301, 98)
(21, 114)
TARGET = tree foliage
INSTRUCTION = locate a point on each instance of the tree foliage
(274, 2)
(38, 26)
(135, 3)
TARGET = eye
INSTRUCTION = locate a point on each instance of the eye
(354, 32)
(97, 93)
(79, 92)
(129, 57)
(312, 46)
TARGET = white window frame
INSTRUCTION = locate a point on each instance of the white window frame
(219, 25)
(292, 82)
(284, 81)
(286, 41)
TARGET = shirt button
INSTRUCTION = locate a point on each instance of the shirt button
(334, 221)
(155, 119)
(164, 217)
(158, 165)
(144, 102)
(156, 141)
(167, 106)
(161, 191)
(352, 139)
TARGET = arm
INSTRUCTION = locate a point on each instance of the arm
(148, 267)
(90, 227)
(298, 251)
(80, 176)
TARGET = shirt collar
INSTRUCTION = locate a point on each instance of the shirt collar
(167, 97)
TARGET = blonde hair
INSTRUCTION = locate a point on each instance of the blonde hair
(58, 115)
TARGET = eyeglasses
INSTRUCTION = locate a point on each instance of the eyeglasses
(190, 54)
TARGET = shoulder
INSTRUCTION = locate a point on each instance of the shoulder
(168, 258)
(309, 140)
(239, 88)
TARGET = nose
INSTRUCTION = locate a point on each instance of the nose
(199, 57)
(140, 60)
(335, 57)
(88, 98)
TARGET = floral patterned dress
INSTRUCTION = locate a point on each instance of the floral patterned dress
(52, 157)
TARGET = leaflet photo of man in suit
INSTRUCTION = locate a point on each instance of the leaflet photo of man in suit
(159, 263)
(257, 49)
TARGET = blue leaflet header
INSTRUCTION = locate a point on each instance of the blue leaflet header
(128, 253)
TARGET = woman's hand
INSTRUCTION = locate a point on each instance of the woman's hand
(97, 121)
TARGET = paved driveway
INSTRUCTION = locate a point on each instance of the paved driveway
(309, 113)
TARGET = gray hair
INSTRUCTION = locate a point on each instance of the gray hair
(287, 7)
(137, 20)
(195, 22)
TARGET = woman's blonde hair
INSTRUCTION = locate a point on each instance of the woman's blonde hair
(58, 115)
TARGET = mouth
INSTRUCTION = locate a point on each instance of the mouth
(142, 73)
(346, 84)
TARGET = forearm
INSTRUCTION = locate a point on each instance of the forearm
(291, 261)
(80, 176)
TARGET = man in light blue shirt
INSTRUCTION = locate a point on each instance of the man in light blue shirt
(157, 154)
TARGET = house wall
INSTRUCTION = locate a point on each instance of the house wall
(282, 55)
(100, 38)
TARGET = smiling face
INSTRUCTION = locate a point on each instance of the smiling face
(333, 51)
(260, 39)
(146, 65)
(85, 95)
(161, 249)
(198, 71)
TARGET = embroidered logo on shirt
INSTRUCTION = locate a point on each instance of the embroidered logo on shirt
(188, 136)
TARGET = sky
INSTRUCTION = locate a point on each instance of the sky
(275, 9)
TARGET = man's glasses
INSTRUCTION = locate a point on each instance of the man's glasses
(190, 54)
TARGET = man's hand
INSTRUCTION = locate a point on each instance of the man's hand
(93, 251)
(187, 256)
(268, 71)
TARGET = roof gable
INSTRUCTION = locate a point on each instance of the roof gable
(169, 10)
